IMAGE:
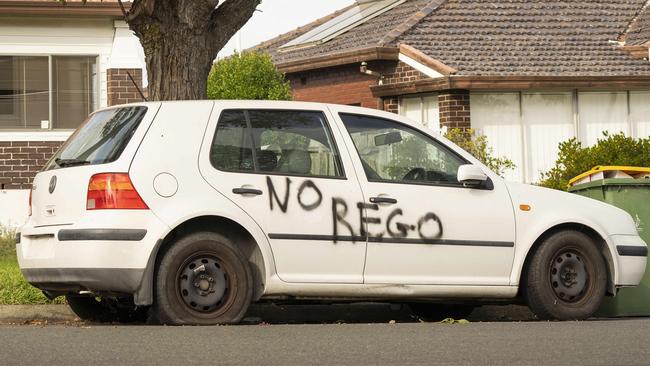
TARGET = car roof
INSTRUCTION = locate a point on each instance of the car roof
(276, 104)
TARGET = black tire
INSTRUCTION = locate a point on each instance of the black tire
(203, 279)
(566, 278)
(437, 312)
(106, 310)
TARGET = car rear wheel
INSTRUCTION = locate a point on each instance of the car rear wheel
(106, 310)
(437, 312)
(566, 278)
(203, 279)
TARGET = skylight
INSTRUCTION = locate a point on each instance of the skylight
(359, 14)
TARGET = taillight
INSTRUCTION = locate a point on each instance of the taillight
(29, 209)
(113, 191)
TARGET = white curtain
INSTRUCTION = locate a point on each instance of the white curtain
(606, 111)
(422, 109)
(497, 115)
(547, 120)
(640, 114)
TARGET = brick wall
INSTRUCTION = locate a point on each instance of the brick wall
(391, 104)
(120, 88)
(21, 160)
(338, 85)
(401, 73)
(454, 108)
(346, 85)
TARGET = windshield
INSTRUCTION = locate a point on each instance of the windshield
(100, 139)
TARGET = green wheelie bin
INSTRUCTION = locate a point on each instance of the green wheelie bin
(629, 189)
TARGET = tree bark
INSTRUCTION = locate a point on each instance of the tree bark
(181, 39)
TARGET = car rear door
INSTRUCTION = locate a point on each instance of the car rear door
(424, 227)
(288, 171)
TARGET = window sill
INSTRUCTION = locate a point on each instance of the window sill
(35, 135)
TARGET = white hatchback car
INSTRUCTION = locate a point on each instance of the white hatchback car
(190, 211)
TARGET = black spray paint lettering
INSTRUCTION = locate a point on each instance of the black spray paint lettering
(365, 221)
(338, 217)
(309, 184)
(284, 206)
(340, 211)
(273, 194)
(402, 229)
(426, 218)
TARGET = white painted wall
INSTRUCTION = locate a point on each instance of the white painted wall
(13, 208)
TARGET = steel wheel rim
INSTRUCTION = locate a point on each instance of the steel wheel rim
(569, 276)
(204, 284)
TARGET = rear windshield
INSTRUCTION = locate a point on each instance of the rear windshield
(100, 139)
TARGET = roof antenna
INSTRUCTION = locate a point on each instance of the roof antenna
(137, 87)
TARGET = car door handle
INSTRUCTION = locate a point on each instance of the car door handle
(392, 201)
(247, 191)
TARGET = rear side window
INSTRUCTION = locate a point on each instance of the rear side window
(275, 142)
(100, 139)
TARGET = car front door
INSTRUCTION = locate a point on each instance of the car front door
(423, 226)
(284, 168)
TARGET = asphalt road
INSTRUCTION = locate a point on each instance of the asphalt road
(620, 342)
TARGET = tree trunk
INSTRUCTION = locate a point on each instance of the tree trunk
(181, 39)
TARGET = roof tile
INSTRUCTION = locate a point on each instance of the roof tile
(505, 37)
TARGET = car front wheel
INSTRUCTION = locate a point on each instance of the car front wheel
(566, 278)
(203, 279)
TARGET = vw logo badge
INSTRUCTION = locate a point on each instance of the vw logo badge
(52, 184)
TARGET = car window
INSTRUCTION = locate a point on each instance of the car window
(275, 142)
(393, 152)
(232, 149)
(100, 139)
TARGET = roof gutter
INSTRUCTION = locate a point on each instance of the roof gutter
(337, 59)
(110, 9)
(495, 83)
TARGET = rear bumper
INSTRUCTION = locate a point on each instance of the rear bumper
(57, 281)
(103, 254)
(632, 256)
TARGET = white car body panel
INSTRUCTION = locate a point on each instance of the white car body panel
(482, 221)
(324, 260)
(167, 160)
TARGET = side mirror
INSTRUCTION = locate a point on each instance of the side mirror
(471, 176)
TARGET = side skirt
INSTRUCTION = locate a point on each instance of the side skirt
(277, 288)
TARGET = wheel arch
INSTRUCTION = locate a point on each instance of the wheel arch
(219, 224)
(597, 238)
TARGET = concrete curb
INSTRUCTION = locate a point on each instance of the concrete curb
(280, 314)
(20, 314)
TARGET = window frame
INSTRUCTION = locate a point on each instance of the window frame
(255, 171)
(95, 91)
(431, 138)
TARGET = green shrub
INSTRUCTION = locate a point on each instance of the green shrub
(249, 75)
(574, 159)
(477, 145)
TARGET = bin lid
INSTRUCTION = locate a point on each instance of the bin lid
(609, 172)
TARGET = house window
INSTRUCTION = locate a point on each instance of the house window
(46, 92)
(527, 127)
(363, 11)
(422, 109)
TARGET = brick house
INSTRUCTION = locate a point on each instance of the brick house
(528, 74)
(57, 64)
